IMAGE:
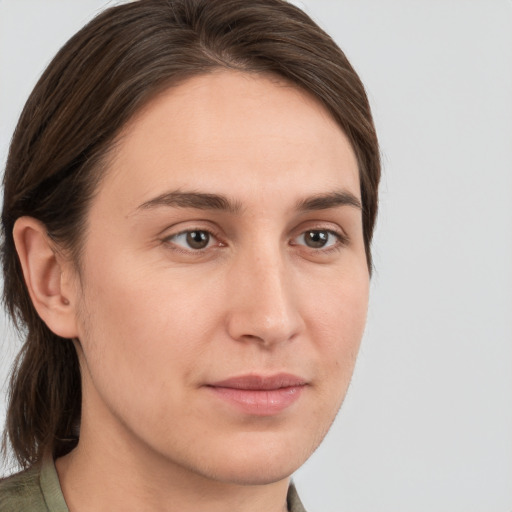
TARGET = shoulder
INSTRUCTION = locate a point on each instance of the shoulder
(22, 491)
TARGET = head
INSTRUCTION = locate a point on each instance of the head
(165, 174)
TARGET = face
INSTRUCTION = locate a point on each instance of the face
(223, 282)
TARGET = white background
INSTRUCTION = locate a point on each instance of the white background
(427, 424)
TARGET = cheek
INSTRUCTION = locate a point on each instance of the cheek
(140, 322)
(139, 349)
(338, 319)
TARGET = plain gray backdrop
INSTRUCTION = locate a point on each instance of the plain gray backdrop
(427, 423)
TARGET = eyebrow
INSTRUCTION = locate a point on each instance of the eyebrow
(329, 200)
(197, 200)
(205, 201)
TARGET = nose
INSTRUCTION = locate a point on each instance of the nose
(263, 306)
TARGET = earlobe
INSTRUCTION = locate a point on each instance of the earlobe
(44, 271)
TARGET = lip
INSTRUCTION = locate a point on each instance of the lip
(260, 395)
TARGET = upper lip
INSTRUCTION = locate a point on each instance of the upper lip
(260, 382)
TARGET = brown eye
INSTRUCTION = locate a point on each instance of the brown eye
(316, 239)
(198, 239)
(195, 239)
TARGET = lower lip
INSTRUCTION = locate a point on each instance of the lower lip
(259, 402)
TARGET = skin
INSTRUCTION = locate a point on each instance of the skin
(156, 321)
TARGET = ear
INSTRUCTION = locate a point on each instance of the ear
(48, 277)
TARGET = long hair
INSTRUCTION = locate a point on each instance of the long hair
(100, 78)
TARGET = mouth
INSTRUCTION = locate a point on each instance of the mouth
(260, 395)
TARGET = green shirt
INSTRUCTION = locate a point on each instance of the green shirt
(38, 490)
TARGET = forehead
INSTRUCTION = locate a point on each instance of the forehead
(248, 132)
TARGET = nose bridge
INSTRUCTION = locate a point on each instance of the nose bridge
(262, 302)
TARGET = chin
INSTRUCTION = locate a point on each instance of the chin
(250, 472)
(260, 462)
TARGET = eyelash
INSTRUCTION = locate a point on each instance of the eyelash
(340, 242)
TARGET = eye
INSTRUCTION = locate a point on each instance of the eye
(195, 239)
(318, 239)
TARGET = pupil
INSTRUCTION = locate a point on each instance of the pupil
(198, 239)
(316, 238)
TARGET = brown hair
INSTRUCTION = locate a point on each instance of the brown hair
(94, 85)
